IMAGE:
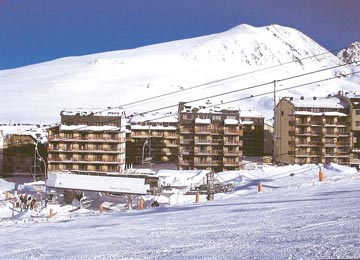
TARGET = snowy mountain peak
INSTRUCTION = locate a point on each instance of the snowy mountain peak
(350, 54)
(248, 45)
(253, 55)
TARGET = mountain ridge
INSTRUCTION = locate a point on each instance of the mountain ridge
(114, 78)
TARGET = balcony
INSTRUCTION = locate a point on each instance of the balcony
(185, 151)
(315, 123)
(205, 163)
(201, 152)
(186, 141)
(202, 142)
(302, 154)
(88, 151)
(88, 140)
(69, 161)
(231, 154)
(184, 130)
(232, 132)
(184, 162)
(216, 152)
(228, 163)
(216, 141)
(201, 130)
(315, 143)
(316, 133)
(233, 143)
(303, 133)
(302, 143)
(330, 144)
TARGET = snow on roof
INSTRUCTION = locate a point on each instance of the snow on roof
(308, 113)
(231, 122)
(155, 118)
(332, 102)
(93, 112)
(33, 130)
(88, 128)
(202, 121)
(303, 113)
(146, 127)
(334, 114)
(247, 122)
(208, 108)
(250, 113)
(181, 178)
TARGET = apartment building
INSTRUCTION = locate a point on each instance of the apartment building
(209, 138)
(315, 130)
(152, 139)
(88, 140)
(253, 137)
(22, 150)
(353, 102)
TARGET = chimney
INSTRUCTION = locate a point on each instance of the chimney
(302, 98)
(314, 98)
(291, 98)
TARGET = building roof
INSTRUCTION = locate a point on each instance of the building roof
(34, 131)
(202, 121)
(147, 127)
(308, 113)
(207, 108)
(93, 112)
(251, 113)
(231, 122)
(331, 102)
(154, 118)
(88, 128)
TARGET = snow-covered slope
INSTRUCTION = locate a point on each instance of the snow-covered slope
(295, 217)
(37, 93)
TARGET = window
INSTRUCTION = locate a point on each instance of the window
(357, 112)
(187, 116)
(216, 117)
(204, 116)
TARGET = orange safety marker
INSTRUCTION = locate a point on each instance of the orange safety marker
(321, 176)
(259, 187)
(51, 214)
(101, 208)
(141, 204)
(197, 197)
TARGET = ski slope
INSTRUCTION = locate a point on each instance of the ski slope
(295, 217)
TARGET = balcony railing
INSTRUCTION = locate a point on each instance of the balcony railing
(186, 141)
(202, 141)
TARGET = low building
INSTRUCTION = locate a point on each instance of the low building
(210, 138)
(88, 140)
(23, 150)
(315, 130)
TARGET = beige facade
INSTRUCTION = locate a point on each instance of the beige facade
(209, 138)
(88, 141)
(312, 131)
(354, 112)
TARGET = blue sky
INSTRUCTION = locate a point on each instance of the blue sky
(33, 31)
